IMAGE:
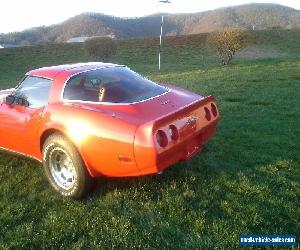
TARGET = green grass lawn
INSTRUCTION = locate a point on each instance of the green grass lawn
(245, 181)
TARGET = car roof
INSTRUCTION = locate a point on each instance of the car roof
(52, 71)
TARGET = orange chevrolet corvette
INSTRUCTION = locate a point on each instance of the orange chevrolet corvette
(98, 119)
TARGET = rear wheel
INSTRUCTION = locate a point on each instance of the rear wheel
(64, 167)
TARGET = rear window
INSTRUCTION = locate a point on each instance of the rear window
(114, 84)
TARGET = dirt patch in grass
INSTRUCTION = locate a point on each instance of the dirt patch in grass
(260, 52)
(234, 99)
(259, 103)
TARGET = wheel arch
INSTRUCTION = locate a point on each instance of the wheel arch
(49, 132)
(52, 131)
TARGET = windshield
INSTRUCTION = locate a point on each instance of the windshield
(34, 91)
(114, 84)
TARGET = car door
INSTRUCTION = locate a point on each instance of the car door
(19, 121)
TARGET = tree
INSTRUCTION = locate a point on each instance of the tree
(227, 42)
(101, 48)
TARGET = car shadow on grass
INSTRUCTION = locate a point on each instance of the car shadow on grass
(154, 184)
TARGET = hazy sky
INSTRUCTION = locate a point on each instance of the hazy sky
(16, 15)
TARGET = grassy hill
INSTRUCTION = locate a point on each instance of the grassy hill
(245, 181)
(249, 16)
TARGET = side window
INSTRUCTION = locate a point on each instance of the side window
(83, 87)
(35, 90)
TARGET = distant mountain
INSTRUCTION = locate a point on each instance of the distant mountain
(249, 16)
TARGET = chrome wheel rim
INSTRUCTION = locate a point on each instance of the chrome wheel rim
(62, 168)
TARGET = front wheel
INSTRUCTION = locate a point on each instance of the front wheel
(64, 167)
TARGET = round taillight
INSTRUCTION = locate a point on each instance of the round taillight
(214, 109)
(173, 132)
(161, 138)
(207, 114)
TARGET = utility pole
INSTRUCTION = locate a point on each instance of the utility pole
(161, 34)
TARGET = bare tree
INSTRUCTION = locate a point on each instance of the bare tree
(227, 42)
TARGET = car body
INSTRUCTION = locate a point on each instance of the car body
(122, 136)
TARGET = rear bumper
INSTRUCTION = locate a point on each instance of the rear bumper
(182, 151)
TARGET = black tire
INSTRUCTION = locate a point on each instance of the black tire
(71, 181)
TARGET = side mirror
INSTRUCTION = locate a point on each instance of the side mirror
(10, 99)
